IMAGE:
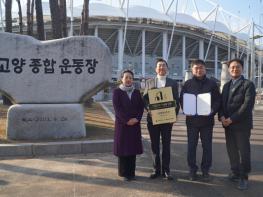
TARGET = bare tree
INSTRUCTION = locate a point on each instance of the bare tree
(20, 16)
(40, 20)
(55, 18)
(85, 18)
(30, 17)
(63, 17)
(8, 15)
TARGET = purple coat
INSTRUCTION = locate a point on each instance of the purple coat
(127, 139)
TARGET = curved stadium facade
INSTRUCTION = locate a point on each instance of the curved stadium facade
(148, 36)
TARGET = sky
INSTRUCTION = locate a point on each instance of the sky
(246, 9)
(243, 8)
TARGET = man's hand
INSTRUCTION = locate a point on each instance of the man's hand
(226, 122)
(222, 118)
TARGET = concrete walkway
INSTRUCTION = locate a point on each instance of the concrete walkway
(95, 174)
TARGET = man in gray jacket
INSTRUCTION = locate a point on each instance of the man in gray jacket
(163, 130)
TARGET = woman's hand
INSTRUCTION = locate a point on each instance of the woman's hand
(132, 121)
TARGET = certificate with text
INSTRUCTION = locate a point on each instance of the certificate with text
(162, 105)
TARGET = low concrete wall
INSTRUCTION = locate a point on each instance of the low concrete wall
(55, 148)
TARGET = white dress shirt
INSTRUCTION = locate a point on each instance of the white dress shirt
(161, 81)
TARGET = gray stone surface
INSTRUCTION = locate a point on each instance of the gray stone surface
(98, 146)
(28, 76)
(45, 121)
(55, 148)
(62, 148)
(14, 150)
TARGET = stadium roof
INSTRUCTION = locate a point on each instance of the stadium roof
(183, 18)
(100, 9)
(145, 12)
(138, 11)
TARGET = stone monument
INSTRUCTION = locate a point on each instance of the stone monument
(48, 81)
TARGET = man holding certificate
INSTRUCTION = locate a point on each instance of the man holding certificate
(200, 101)
(162, 103)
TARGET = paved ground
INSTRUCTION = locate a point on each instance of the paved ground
(96, 174)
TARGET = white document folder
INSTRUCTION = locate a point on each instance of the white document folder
(197, 105)
(189, 104)
(203, 104)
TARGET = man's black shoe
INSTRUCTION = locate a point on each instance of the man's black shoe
(206, 176)
(243, 184)
(192, 176)
(154, 175)
(233, 177)
(126, 179)
(129, 178)
(168, 176)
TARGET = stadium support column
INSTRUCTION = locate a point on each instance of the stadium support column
(229, 49)
(216, 61)
(233, 55)
(238, 49)
(143, 53)
(120, 50)
(165, 44)
(252, 63)
(96, 31)
(260, 71)
(183, 56)
(247, 65)
(201, 49)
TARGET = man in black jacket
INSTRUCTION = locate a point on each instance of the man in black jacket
(161, 166)
(200, 124)
(238, 98)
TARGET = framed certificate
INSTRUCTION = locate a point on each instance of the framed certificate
(162, 105)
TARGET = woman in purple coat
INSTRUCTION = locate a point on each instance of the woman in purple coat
(128, 106)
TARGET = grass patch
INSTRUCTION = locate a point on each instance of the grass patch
(3, 117)
(97, 132)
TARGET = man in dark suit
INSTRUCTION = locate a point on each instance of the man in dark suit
(238, 98)
(163, 130)
(200, 124)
